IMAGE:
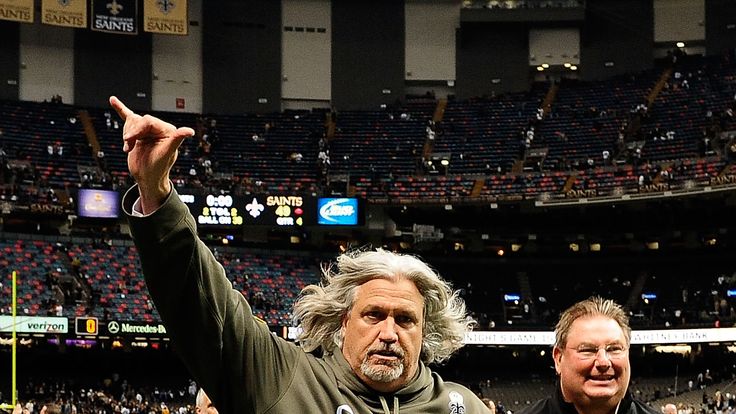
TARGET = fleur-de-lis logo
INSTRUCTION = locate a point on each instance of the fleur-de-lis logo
(254, 208)
(165, 6)
(64, 3)
(114, 7)
(456, 406)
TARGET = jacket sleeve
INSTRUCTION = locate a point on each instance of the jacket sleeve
(229, 352)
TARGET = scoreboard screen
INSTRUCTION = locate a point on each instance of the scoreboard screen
(283, 210)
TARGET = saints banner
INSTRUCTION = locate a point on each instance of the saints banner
(115, 16)
(17, 10)
(165, 16)
(67, 13)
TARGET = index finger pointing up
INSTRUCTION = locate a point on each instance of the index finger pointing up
(120, 108)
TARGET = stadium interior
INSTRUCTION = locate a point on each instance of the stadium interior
(528, 187)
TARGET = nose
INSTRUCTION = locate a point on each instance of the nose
(602, 360)
(388, 331)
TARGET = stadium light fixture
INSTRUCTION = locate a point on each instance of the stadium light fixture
(539, 68)
(574, 247)
(595, 247)
(680, 44)
(573, 67)
(567, 65)
(500, 252)
(545, 65)
(515, 247)
(653, 245)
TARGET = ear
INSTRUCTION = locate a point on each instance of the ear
(344, 323)
(557, 356)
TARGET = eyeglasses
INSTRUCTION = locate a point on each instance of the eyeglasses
(611, 351)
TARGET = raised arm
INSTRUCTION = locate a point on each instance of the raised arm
(152, 147)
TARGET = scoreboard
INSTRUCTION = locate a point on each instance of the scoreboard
(266, 210)
(274, 210)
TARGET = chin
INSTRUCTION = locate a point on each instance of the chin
(601, 394)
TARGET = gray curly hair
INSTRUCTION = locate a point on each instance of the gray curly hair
(320, 309)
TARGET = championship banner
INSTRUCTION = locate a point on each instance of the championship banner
(67, 13)
(165, 16)
(115, 16)
(17, 10)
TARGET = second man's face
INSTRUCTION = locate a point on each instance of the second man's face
(382, 334)
(594, 365)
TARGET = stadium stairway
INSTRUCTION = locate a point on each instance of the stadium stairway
(439, 111)
(89, 129)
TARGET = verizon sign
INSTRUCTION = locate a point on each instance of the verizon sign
(34, 324)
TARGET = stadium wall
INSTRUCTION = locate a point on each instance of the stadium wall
(430, 39)
(368, 48)
(492, 58)
(306, 52)
(242, 57)
(107, 64)
(9, 58)
(46, 63)
(720, 31)
(617, 31)
(177, 67)
(679, 20)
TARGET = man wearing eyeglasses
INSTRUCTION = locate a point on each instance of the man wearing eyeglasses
(591, 354)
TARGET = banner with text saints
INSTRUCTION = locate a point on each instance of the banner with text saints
(115, 16)
(17, 10)
(67, 13)
(165, 16)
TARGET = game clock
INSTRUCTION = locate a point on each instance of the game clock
(281, 210)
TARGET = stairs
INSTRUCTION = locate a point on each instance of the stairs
(439, 111)
(569, 183)
(477, 187)
(89, 130)
(550, 98)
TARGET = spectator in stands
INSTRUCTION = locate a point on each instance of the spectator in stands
(669, 409)
(591, 355)
(374, 323)
(204, 404)
(51, 409)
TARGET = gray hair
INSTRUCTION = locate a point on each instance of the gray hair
(320, 309)
(593, 306)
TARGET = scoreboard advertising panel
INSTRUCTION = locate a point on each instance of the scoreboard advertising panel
(274, 210)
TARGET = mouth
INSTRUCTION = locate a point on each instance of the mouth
(602, 378)
(385, 354)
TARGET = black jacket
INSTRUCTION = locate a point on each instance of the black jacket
(556, 405)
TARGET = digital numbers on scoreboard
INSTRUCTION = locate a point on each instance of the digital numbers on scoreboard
(86, 325)
(265, 210)
(279, 210)
(219, 209)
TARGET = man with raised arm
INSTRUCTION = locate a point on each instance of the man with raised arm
(369, 329)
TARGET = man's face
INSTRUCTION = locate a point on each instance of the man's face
(382, 334)
(589, 380)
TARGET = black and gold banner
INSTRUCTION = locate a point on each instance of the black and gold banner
(17, 10)
(67, 13)
(165, 16)
(115, 16)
